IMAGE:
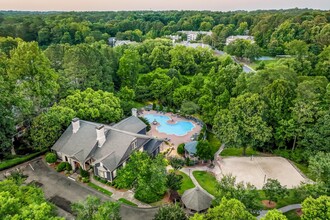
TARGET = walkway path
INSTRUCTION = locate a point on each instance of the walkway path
(117, 194)
(246, 68)
(189, 171)
(283, 209)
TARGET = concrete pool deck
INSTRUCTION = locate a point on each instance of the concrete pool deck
(174, 139)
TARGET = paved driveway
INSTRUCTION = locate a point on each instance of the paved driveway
(55, 184)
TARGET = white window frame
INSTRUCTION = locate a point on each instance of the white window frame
(101, 173)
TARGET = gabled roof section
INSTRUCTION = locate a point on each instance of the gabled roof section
(191, 147)
(78, 145)
(115, 146)
(151, 146)
(131, 124)
(83, 145)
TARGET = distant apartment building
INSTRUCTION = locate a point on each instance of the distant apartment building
(114, 42)
(231, 39)
(194, 45)
(192, 35)
(173, 37)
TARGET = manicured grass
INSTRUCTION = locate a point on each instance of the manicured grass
(100, 189)
(20, 159)
(207, 181)
(292, 215)
(256, 63)
(214, 141)
(127, 202)
(238, 152)
(186, 182)
(304, 169)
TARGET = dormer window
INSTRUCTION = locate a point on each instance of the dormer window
(134, 143)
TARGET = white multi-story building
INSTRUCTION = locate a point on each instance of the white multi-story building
(231, 39)
(192, 35)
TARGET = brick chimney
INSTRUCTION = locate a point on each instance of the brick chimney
(75, 125)
(134, 112)
(100, 135)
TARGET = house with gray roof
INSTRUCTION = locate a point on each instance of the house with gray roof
(105, 148)
(190, 149)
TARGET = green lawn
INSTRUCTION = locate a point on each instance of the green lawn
(256, 63)
(18, 160)
(207, 181)
(100, 189)
(304, 169)
(238, 152)
(214, 141)
(127, 202)
(186, 182)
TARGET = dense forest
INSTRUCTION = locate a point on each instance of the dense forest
(55, 66)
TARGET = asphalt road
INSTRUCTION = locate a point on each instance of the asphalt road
(55, 184)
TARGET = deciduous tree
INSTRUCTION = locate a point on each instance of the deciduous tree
(316, 208)
(92, 208)
(274, 215)
(243, 123)
(170, 212)
(98, 106)
(274, 190)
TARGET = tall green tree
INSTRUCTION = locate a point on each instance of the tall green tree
(245, 193)
(274, 215)
(183, 60)
(174, 181)
(86, 67)
(319, 166)
(48, 126)
(146, 175)
(323, 64)
(129, 68)
(93, 208)
(24, 202)
(228, 209)
(170, 212)
(35, 80)
(274, 190)
(316, 208)
(7, 120)
(98, 106)
(204, 150)
(243, 124)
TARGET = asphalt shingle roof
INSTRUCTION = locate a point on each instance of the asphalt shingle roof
(191, 147)
(131, 124)
(83, 145)
(196, 199)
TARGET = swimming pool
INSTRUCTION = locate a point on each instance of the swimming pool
(180, 128)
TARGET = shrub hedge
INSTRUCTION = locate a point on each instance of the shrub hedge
(51, 158)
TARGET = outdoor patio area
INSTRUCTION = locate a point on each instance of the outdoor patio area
(173, 140)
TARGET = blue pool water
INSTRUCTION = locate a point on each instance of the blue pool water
(180, 128)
